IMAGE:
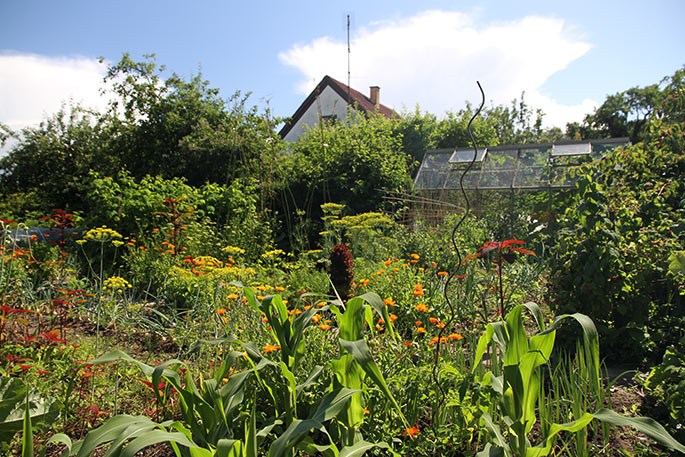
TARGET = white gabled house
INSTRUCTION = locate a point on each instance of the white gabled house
(329, 102)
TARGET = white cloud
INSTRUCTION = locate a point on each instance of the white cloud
(33, 87)
(434, 59)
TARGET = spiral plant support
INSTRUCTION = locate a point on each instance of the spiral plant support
(459, 266)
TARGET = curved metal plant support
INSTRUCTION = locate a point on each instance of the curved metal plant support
(436, 380)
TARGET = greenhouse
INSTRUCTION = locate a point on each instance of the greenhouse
(521, 166)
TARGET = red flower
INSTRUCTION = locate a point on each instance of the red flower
(411, 432)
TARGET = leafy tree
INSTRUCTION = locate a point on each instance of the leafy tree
(176, 128)
(349, 163)
(53, 159)
(627, 113)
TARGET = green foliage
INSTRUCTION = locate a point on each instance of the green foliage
(351, 164)
(611, 260)
(629, 113)
(18, 401)
(517, 388)
(666, 383)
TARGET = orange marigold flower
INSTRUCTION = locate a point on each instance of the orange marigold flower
(316, 318)
(389, 302)
(260, 297)
(280, 289)
(221, 311)
(442, 273)
(307, 307)
(421, 307)
(418, 287)
(411, 432)
(420, 330)
(233, 297)
(407, 343)
(414, 261)
(418, 323)
(454, 336)
(418, 293)
(433, 320)
(393, 317)
(415, 256)
(270, 348)
(366, 411)
(381, 321)
(324, 326)
(388, 262)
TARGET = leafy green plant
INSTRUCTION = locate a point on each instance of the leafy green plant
(666, 382)
(517, 388)
(19, 402)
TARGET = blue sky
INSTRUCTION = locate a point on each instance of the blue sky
(566, 55)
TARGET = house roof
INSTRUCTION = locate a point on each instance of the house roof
(351, 96)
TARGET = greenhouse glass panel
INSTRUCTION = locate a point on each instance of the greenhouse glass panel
(532, 177)
(534, 157)
(470, 180)
(574, 149)
(466, 155)
(504, 159)
(496, 179)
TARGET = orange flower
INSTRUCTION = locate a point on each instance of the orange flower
(411, 432)
(414, 261)
(260, 297)
(316, 318)
(420, 330)
(407, 343)
(221, 311)
(421, 307)
(270, 348)
(393, 317)
(280, 289)
(454, 336)
(389, 302)
(418, 323)
(233, 297)
(415, 256)
(433, 320)
(388, 262)
(442, 273)
(366, 411)
(324, 326)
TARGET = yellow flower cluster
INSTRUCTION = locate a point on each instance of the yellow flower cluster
(116, 284)
(103, 235)
(273, 253)
(233, 250)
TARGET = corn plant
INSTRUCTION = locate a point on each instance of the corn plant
(517, 388)
(356, 363)
(343, 401)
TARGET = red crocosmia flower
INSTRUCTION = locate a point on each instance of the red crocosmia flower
(411, 432)
(25, 367)
(8, 310)
(42, 372)
(16, 359)
(149, 384)
(95, 409)
(51, 337)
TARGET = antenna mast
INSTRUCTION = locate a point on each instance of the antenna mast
(348, 57)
